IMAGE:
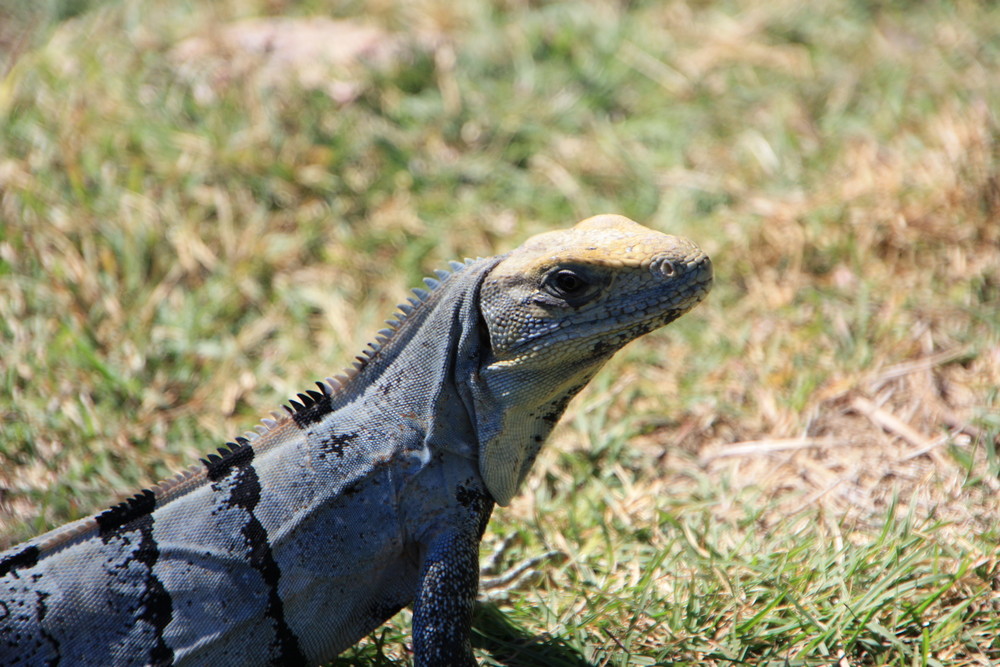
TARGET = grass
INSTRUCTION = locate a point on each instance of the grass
(804, 471)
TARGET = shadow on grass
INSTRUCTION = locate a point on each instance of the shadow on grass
(509, 644)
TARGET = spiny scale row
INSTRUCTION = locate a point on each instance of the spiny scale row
(138, 503)
(334, 384)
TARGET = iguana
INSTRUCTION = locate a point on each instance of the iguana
(372, 492)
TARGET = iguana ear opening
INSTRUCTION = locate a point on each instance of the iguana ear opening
(485, 343)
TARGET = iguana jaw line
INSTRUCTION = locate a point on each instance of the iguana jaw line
(602, 329)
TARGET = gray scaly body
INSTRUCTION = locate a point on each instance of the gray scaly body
(372, 493)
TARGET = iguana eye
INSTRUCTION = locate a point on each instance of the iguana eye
(565, 284)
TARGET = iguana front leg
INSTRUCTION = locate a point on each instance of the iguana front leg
(446, 593)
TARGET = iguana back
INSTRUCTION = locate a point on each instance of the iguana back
(371, 493)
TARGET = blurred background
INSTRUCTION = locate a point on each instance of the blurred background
(206, 206)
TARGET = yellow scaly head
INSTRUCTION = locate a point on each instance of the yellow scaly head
(556, 309)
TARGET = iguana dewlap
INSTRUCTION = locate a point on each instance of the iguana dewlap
(372, 493)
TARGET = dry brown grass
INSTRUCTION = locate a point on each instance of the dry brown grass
(923, 229)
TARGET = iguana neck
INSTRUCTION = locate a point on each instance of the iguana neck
(422, 371)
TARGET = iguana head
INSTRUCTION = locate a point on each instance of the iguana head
(556, 309)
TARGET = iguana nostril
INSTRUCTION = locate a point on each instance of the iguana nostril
(664, 267)
(705, 271)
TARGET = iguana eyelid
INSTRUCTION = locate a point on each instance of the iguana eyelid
(565, 283)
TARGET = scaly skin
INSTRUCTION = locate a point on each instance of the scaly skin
(371, 493)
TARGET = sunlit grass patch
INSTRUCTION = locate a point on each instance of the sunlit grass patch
(803, 471)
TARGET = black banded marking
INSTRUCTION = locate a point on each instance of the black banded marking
(155, 604)
(157, 607)
(311, 407)
(27, 557)
(245, 494)
(238, 454)
(111, 520)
